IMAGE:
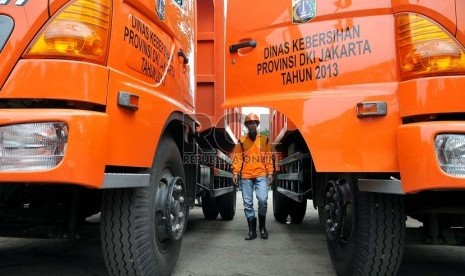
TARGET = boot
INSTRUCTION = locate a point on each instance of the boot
(252, 222)
(261, 227)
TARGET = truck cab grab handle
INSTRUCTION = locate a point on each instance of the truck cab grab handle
(251, 43)
(184, 57)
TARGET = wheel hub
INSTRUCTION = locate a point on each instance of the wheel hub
(337, 204)
(175, 209)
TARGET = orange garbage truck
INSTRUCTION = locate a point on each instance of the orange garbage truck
(98, 114)
(367, 114)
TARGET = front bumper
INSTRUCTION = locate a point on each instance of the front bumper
(85, 157)
(418, 164)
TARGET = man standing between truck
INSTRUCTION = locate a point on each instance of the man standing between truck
(252, 159)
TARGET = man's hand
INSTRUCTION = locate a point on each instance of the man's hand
(269, 178)
(235, 179)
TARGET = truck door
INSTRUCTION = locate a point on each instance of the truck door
(184, 11)
(151, 56)
(153, 41)
(299, 46)
(252, 39)
(315, 61)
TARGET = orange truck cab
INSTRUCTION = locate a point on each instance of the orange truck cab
(367, 114)
(98, 113)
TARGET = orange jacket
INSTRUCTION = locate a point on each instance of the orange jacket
(252, 158)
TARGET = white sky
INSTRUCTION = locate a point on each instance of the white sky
(256, 110)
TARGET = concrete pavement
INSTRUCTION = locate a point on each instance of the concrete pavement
(218, 248)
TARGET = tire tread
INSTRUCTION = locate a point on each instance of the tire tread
(380, 226)
(376, 244)
(227, 205)
(280, 206)
(127, 227)
(210, 207)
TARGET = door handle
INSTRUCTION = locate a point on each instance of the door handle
(251, 43)
(184, 57)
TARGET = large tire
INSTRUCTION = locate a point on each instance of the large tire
(280, 206)
(142, 228)
(321, 217)
(373, 242)
(227, 205)
(210, 207)
(297, 211)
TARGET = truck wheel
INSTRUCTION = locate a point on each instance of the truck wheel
(227, 205)
(142, 228)
(297, 211)
(210, 207)
(365, 232)
(321, 217)
(280, 206)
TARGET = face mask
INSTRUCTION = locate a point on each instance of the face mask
(252, 135)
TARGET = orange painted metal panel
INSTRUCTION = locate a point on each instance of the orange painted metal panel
(419, 169)
(206, 82)
(210, 69)
(205, 105)
(86, 152)
(341, 142)
(337, 139)
(275, 124)
(324, 109)
(279, 125)
(28, 19)
(460, 21)
(373, 62)
(145, 48)
(143, 60)
(316, 73)
(232, 122)
(159, 77)
(55, 5)
(432, 95)
(134, 135)
(237, 123)
(66, 80)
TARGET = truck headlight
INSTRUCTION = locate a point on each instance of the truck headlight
(32, 146)
(450, 151)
